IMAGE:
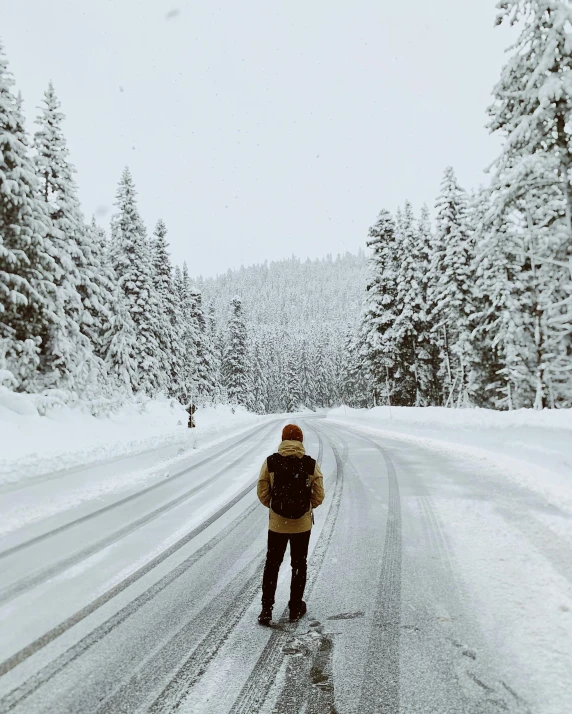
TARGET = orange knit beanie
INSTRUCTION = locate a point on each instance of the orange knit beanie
(291, 432)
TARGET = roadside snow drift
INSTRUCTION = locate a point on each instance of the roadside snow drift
(531, 448)
(36, 441)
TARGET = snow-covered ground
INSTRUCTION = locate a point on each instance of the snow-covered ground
(531, 448)
(34, 443)
(497, 488)
(131, 582)
(69, 459)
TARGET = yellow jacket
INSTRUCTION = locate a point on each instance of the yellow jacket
(277, 523)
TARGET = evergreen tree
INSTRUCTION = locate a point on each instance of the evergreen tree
(307, 380)
(206, 379)
(529, 241)
(322, 366)
(99, 307)
(259, 375)
(377, 332)
(451, 288)
(275, 373)
(408, 312)
(355, 391)
(69, 352)
(191, 336)
(131, 259)
(26, 267)
(215, 347)
(235, 367)
(169, 332)
(428, 348)
(293, 381)
(120, 339)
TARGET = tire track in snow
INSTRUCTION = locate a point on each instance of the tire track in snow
(19, 694)
(80, 615)
(127, 499)
(491, 692)
(380, 687)
(30, 581)
(320, 443)
(225, 610)
(255, 690)
(195, 665)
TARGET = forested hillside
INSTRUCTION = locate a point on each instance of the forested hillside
(292, 293)
(297, 314)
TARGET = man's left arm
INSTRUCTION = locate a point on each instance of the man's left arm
(317, 493)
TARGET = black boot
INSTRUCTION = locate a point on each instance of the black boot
(265, 616)
(298, 611)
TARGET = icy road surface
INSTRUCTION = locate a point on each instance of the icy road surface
(432, 588)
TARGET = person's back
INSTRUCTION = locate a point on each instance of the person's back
(290, 485)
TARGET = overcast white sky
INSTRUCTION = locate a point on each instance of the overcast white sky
(257, 129)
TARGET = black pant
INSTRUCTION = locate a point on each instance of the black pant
(298, 554)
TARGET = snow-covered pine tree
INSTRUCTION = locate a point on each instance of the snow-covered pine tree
(131, 260)
(26, 267)
(377, 337)
(70, 360)
(204, 348)
(322, 364)
(235, 363)
(355, 390)
(408, 314)
(313, 380)
(259, 374)
(428, 350)
(169, 333)
(216, 355)
(117, 342)
(293, 364)
(271, 348)
(189, 334)
(451, 289)
(99, 308)
(347, 387)
(487, 382)
(120, 340)
(530, 234)
(307, 383)
(193, 337)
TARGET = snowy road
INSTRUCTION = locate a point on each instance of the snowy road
(432, 588)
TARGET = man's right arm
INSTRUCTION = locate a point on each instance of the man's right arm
(263, 486)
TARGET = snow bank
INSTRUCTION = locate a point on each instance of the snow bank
(41, 435)
(467, 418)
(531, 448)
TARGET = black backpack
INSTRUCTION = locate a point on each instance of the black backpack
(290, 496)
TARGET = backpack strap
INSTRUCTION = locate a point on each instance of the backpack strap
(271, 463)
(309, 465)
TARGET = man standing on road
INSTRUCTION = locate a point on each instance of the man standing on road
(290, 485)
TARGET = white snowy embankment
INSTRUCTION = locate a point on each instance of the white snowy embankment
(531, 448)
(38, 439)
